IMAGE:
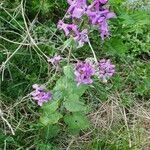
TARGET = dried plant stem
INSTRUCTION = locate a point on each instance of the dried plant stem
(70, 144)
(8, 124)
(126, 123)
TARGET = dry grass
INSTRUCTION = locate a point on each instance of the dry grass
(132, 123)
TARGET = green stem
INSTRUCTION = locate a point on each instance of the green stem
(92, 51)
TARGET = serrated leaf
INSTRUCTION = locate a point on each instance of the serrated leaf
(67, 86)
(50, 119)
(50, 107)
(49, 131)
(73, 97)
(74, 106)
(76, 121)
(68, 71)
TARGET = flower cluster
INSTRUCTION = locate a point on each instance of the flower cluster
(104, 69)
(96, 13)
(40, 95)
(79, 37)
(83, 73)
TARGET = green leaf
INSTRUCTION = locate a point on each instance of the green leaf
(76, 121)
(49, 132)
(68, 71)
(50, 119)
(50, 107)
(67, 86)
(73, 97)
(74, 106)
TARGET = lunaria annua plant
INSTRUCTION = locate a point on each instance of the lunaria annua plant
(98, 15)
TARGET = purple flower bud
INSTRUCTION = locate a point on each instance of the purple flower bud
(40, 95)
(83, 73)
(106, 69)
(54, 60)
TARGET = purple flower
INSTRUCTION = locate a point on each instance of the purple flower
(103, 28)
(96, 16)
(54, 60)
(40, 95)
(83, 73)
(99, 16)
(106, 69)
(82, 37)
(67, 28)
(79, 37)
(77, 8)
(103, 1)
(97, 4)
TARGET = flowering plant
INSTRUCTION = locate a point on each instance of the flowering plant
(63, 103)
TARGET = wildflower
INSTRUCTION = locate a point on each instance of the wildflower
(106, 69)
(40, 95)
(99, 16)
(82, 37)
(83, 73)
(97, 4)
(54, 60)
(77, 8)
(67, 28)
(103, 1)
(103, 28)
(96, 15)
(79, 37)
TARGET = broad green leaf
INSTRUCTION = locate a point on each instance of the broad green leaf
(76, 121)
(73, 97)
(68, 71)
(49, 131)
(74, 106)
(67, 86)
(61, 87)
(50, 107)
(50, 119)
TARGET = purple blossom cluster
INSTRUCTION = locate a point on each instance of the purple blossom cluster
(96, 13)
(79, 37)
(40, 95)
(106, 69)
(85, 70)
(83, 73)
